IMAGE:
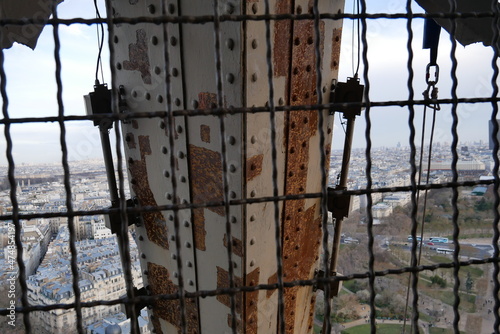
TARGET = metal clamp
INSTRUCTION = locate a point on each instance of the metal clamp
(428, 74)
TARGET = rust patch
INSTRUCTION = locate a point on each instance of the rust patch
(154, 222)
(254, 166)
(336, 39)
(206, 177)
(207, 100)
(199, 229)
(205, 133)
(169, 310)
(130, 140)
(139, 57)
(282, 43)
(273, 279)
(223, 282)
(251, 300)
(237, 245)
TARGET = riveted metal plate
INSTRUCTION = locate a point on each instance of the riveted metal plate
(302, 230)
(141, 69)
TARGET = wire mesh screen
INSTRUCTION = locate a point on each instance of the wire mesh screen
(243, 215)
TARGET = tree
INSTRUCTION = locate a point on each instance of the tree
(469, 283)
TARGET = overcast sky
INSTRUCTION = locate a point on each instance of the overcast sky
(32, 90)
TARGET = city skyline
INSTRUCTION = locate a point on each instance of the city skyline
(34, 72)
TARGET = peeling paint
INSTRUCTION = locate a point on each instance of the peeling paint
(206, 177)
(169, 310)
(205, 133)
(237, 246)
(199, 232)
(154, 222)
(139, 57)
(223, 282)
(273, 279)
(282, 42)
(254, 166)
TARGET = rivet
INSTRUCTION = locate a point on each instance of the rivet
(231, 140)
(252, 193)
(145, 272)
(173, 256)
(187, 244)
(159, 98)
(306, 120)
(254, 44)
(175, 72)
(179, 129)
(233, 220)
(252, 241)
(141, 238)
(194, 104)
(154, 40)
(128, 138)
(118, 66)
(186, 223)
(173, 41)
(176, 274)
(161, 124)
(172, 238)
(303, 166)
(308, 68)
(255, 8)
(177, 102)
(232, 194)
(252, 218)
(324, 89)
(151, 9)
(189, 264)
(254, 77)
(147, 96)
(304, 143)
(299, 9)
(296, 41)
(183, 179)
(253, 140)
(143, 255)
(290, 174)
(310, 40)
(181, 155)
(252, 263)
(171, 8)
(235, 265)
(171, 217)
(295, 70)
(280, 101)
(230, 78)
(232, 168)
(230, 44)
(115, 39)
(190, 282)
(230, 8)
(130, 160)
(292, 150)
(169, 196)
(329, 131)
(164, 150)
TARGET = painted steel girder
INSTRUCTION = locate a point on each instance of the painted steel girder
(206, 158)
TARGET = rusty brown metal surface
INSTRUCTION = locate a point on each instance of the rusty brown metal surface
(153, 221)
(169, 310)
(301, 225)
(237, 246)
(282, 41)
(223, 282)
(336, 41)
(205, 133)
(254, 166)
(139, 57)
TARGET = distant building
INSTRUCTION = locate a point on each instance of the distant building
(99, 327)
(101, 278)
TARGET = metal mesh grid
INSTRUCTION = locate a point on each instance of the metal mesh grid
(220, 110)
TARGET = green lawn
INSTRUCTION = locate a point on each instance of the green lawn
(381, 328)
(437, 330)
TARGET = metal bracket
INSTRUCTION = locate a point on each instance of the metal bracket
(115, 221)
(335, 285)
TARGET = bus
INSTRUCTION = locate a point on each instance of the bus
(438, 239)
(410, 238)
